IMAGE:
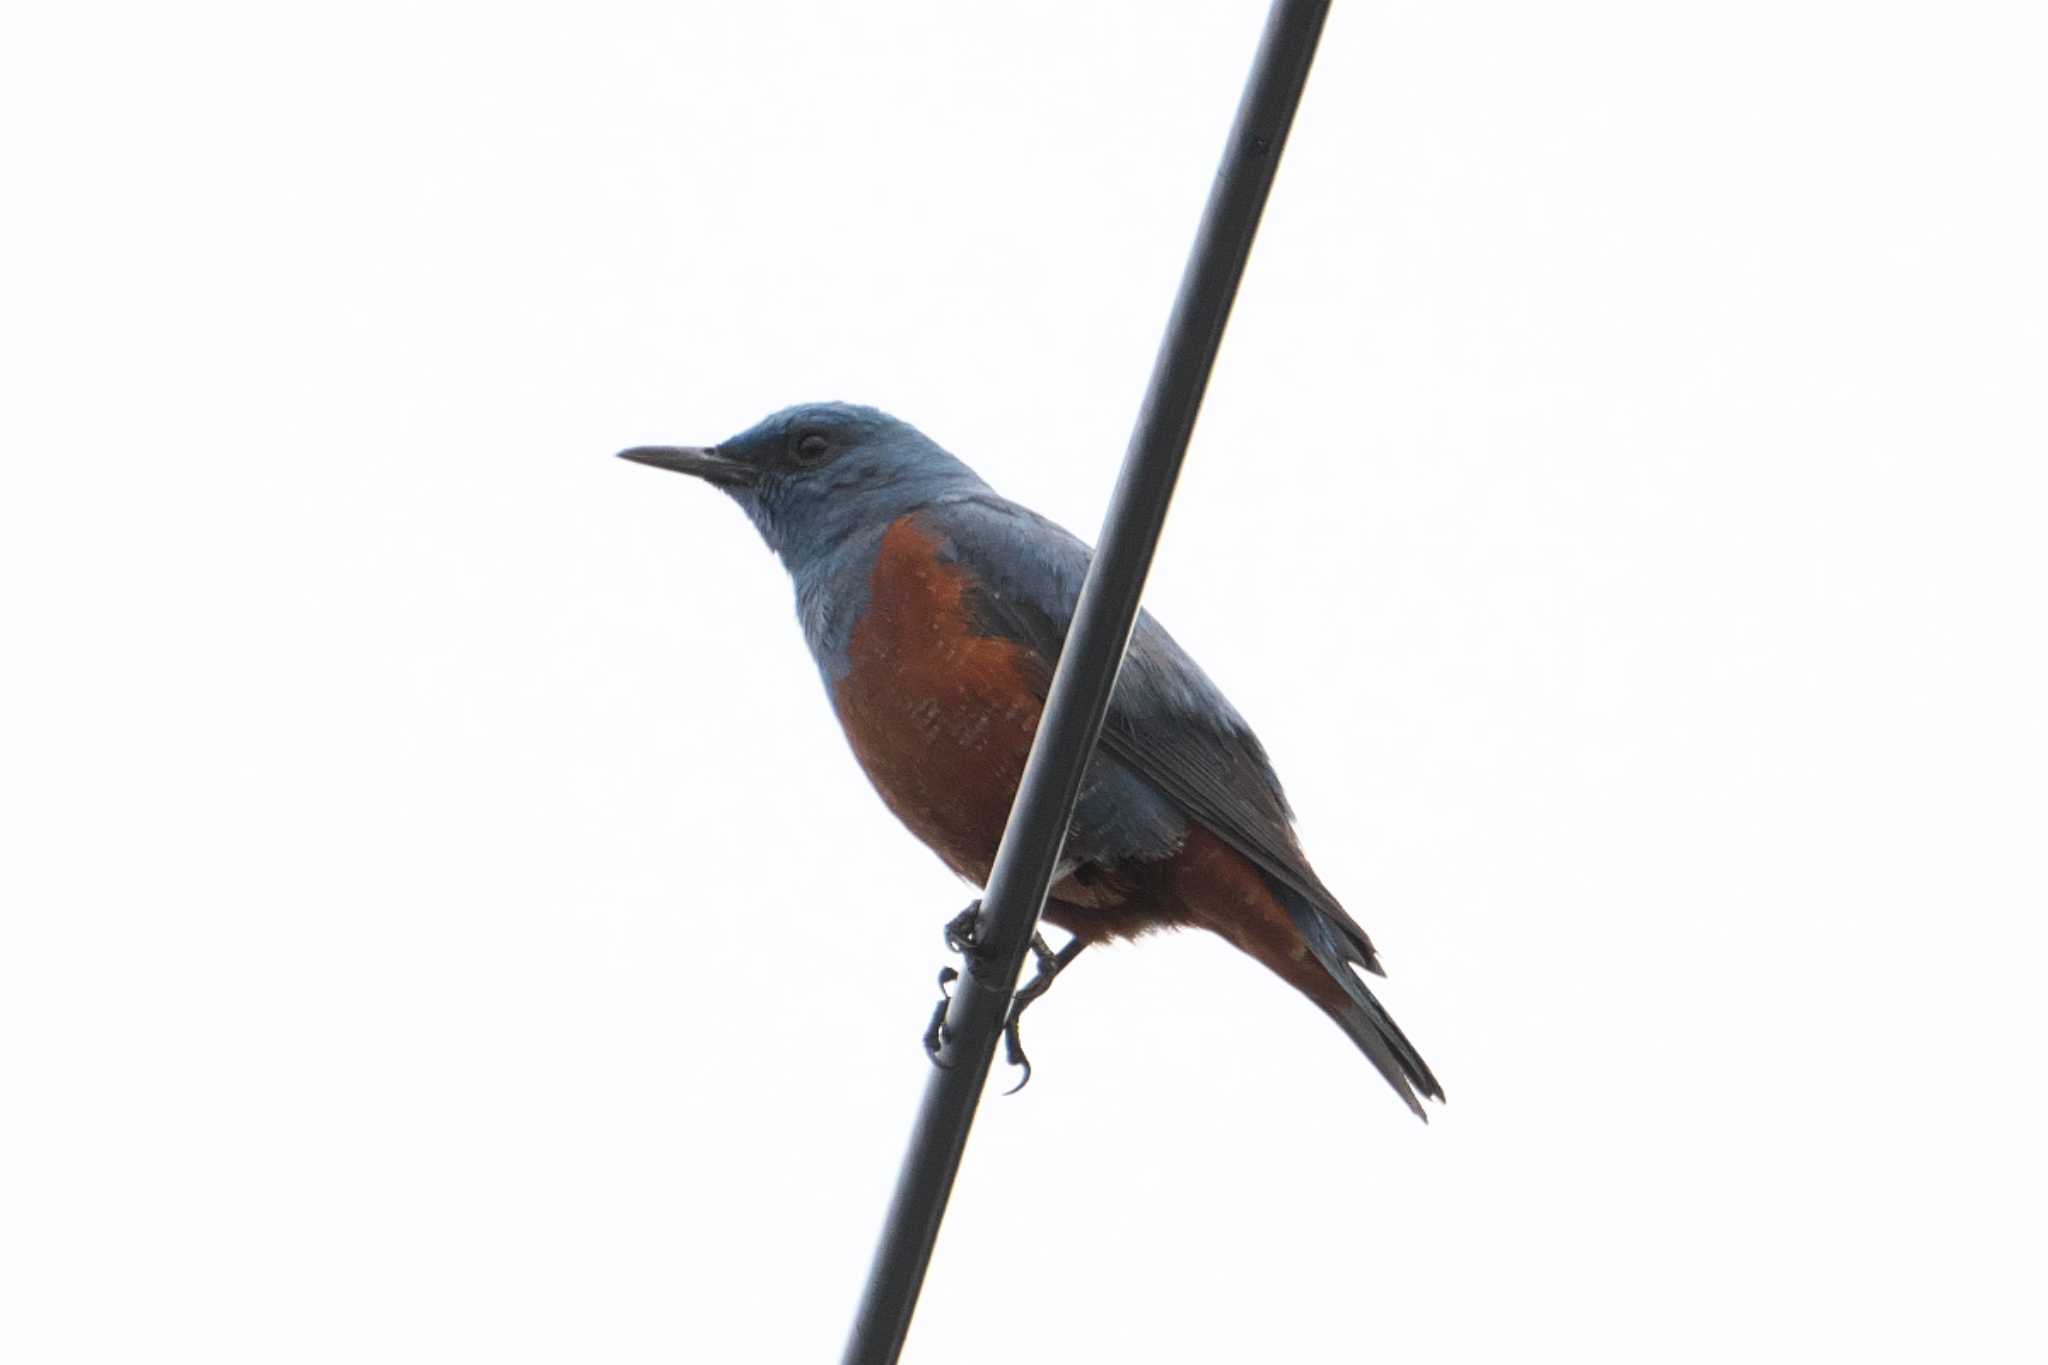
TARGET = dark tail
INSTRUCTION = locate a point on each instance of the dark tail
(1354, 1007)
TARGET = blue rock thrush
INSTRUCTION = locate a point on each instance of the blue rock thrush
(936, 610)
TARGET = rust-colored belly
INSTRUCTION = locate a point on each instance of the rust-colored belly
(940, 718)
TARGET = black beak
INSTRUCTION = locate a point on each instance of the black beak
(704, 462)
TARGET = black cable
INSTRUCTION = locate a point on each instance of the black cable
(1081, 686)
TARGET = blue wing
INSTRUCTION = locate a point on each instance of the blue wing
(1172, 748)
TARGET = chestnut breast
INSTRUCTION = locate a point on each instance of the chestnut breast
(940, 717)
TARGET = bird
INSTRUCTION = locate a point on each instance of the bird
(935, 610)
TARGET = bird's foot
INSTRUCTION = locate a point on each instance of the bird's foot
(963, 932)
(1050, 965)
(936, 1035)
(960, 938)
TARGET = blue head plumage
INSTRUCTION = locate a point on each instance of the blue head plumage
(822, 482)
(814, 476)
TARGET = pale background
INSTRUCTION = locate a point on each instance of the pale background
(442, 923)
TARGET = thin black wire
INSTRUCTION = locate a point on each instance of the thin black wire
(1086, 675)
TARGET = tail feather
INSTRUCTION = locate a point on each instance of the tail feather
(1359, 1013)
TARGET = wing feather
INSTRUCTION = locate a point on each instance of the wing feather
(1168, 723)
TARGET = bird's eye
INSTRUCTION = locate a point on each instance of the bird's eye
(812, 448)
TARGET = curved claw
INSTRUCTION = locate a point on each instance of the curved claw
(935, 1032)
(1013, 1050)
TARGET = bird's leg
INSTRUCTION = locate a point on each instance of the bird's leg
(962, 930)
(1050, 965)
(959, 939)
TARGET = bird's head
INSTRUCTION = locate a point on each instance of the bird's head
(812, 475)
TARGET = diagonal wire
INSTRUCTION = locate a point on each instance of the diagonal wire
(1081, 686)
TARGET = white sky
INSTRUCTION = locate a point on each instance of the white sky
(441, 921)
